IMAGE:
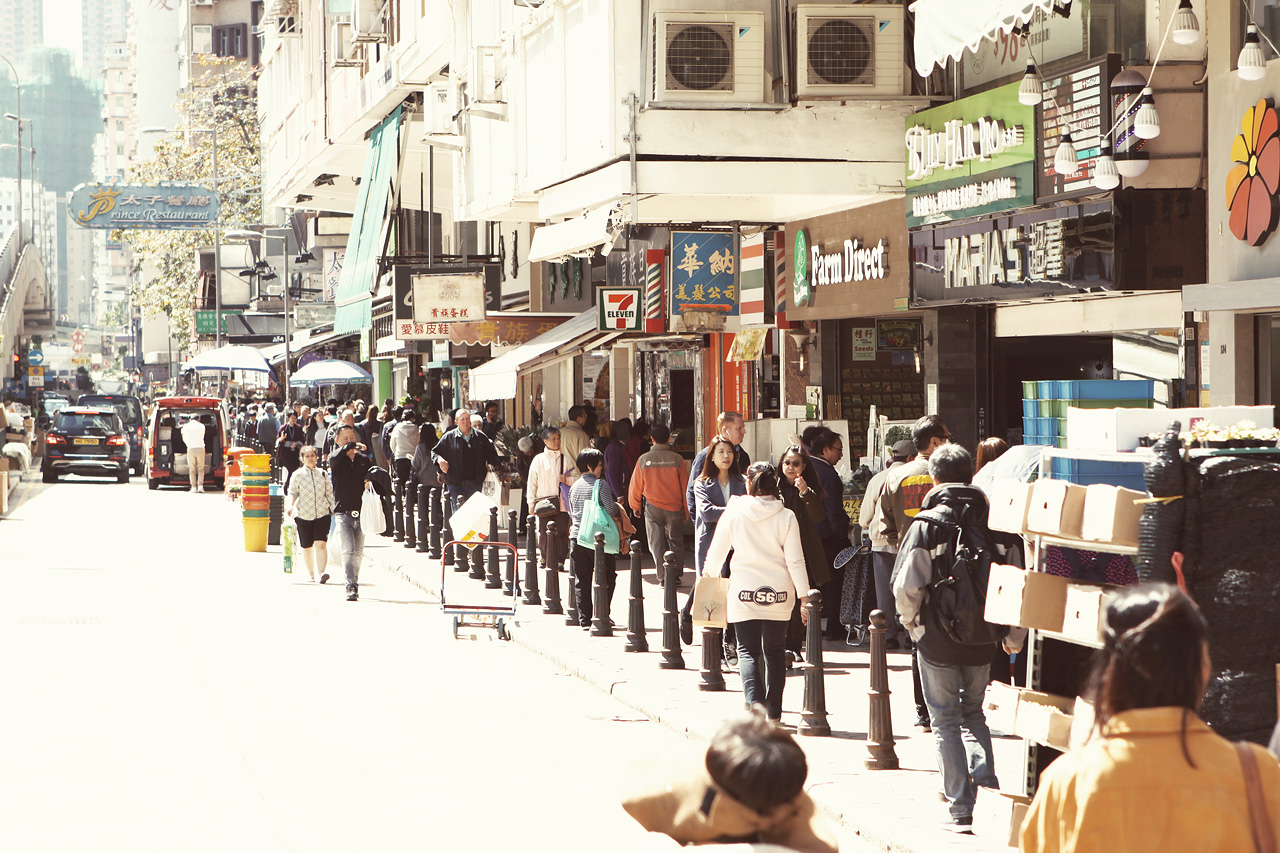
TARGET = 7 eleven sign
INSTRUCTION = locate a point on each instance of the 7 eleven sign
(620, 309)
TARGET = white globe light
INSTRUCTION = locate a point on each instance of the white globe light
(1132, 168)
(1251, 64)
(1146, 122)
(1105, 174)
(1186, 27)
(1031, 90)
(1065, 160)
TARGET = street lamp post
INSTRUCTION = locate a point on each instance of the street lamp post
(288, 327)
(17, 85)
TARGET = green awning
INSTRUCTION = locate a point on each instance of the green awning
(354, 298)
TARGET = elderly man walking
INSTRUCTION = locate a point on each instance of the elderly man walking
(464, 455)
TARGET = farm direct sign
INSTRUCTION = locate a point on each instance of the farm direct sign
(163, 206)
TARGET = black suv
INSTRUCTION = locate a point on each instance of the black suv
(86, 440)
(130, 411)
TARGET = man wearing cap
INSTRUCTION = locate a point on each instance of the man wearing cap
(883, 554)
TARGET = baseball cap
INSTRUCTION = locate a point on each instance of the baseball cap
(904, 448)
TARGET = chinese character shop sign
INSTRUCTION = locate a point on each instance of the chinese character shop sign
(432, 301)
(703, 267)
(163, 206)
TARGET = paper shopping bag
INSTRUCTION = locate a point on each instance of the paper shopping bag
(711, 603)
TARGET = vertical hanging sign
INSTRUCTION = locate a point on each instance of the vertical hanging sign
(654, 321)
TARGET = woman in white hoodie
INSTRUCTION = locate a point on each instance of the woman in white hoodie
(768, 573)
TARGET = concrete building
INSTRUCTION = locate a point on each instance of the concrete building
(224, 28)
(21, 29)
(102, 23)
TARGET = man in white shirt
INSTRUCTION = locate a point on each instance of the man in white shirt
(193, 432)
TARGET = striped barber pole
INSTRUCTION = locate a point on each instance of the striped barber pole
(751, 307)
(654, 320)
(780, 278)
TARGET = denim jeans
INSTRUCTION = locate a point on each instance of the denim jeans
(458, 494)
(954, 696)
(882, 568)
(349, 543)
(762, 662)
(665, 531)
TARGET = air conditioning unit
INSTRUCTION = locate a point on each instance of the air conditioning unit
(371, 21)
(849, 50)
(708, 57)
(343, 52)
(201, 2)
(439, 106)
(486, 75)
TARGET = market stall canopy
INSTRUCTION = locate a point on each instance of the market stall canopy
(331, 371)
(946, 28)
(499, 379)
(231, 357)
(574, 236)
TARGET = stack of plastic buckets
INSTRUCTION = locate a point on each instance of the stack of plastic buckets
(255, 499)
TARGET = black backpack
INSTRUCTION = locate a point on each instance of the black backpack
(957, 595)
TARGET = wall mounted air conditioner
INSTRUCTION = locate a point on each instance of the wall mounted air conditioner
(343, 52)
(201, 2)
(485, 83)
(439, 106)
(849, 50)
(708, 57)
(370, 21)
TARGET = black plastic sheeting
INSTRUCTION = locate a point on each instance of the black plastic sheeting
(1159, 530)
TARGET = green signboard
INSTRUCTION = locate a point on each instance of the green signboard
(205, 320)
(970, 157)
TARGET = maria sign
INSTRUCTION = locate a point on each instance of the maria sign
(129, 207)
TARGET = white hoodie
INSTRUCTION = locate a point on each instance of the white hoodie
(768, 562)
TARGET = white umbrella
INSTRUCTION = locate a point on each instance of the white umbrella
(331, 371)
(231, 357)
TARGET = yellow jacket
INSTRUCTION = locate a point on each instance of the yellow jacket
(1132, 790)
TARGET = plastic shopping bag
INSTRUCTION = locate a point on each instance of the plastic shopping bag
(286, 539)
(372, 520)
(471, 522)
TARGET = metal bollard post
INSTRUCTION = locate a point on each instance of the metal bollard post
(551, 602)
(712, 655)
(494, 578)
(530, 576)
(601, 618)
(881, 752)
(571, 603)
(636, 639)
(671, 655)
(476, 563)
(424, 518)
(813, 717)
(410, 511)
(397, 507)
(446, 535)
(509, 586)
(437, 522)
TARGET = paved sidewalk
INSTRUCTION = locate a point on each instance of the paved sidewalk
(898, 810)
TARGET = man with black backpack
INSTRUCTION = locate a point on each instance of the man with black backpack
(940, 585)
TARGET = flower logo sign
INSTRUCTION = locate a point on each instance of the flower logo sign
(1254, 180)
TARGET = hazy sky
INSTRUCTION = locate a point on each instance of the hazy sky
(62, 25)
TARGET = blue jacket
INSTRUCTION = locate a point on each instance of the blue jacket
(709, 505)
(744, 462)
(836, 524)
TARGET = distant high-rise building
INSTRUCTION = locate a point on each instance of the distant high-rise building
(102, 23)
(21, 29)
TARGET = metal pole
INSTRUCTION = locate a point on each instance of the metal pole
(288, 326)
(217, 269)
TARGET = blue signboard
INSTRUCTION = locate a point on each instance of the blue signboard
(165, 205)
(35, 357)
(703, 264)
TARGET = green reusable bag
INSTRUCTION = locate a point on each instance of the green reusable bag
(596, 519)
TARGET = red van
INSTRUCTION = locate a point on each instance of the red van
(167, 454)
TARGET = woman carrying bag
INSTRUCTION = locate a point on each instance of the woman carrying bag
(593, 508)
(717, 482)
(1153, 777)
(550, 474)
(768, 576)
(310, 504)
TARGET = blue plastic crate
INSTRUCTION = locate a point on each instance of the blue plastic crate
(1030, 428)
(1048, 389)
(1029, 408)
(1065, 389)
(1114, 389)
(1086, 472)
(1048, 427)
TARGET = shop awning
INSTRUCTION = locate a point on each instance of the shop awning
(1261, 294)
(301, 342)
(946, 28)
(555, 242)
(353, 297)
(499, 379)
(1091, 315)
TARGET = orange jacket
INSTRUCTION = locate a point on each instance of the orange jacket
(661, 477)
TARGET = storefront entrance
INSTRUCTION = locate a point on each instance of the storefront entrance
(669, 386)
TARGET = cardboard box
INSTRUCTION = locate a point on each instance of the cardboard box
(1111, 514)
(1001, 706)
(1081, 722)
(1009, 504)
(1044, 718)
(1119, 429)
(998, 816)
(1083, 619)
(1057, 508)
(1025, 598)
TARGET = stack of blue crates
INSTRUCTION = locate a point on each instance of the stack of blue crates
(1045, 403)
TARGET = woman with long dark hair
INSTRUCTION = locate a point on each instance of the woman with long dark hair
(1153, 777)
(768, 575)
(802, 494)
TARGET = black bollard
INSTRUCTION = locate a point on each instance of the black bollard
(671, 656)
(410, 511)
(476, 567)
(494, 578)
(636, 639)
(551, 602)
(437, 522)
(530, 576)
(601, 618)
(397, 506)
(880, 749)
(813, 718)
(712, 656)
(446, 535)
(424, 519)
(509, 586)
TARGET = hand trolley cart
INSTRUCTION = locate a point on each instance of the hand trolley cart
(480, 615)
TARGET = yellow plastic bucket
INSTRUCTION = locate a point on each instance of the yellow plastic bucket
(255, 533)
(256, 462)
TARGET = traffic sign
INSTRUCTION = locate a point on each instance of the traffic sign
(35, 377)
(78, 346)
(35, 357)
(78, 336)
